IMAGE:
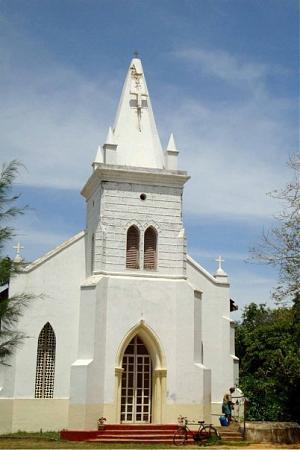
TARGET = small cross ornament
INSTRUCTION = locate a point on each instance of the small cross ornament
(18, 248)
(219, 260)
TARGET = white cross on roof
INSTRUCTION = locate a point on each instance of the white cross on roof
(219, 261)
(18, 257)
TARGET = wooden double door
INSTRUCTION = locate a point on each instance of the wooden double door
(136, 383)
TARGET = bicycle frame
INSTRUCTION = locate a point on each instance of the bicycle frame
(204, 432)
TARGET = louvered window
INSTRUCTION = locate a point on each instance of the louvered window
(45, 364)
(150, 241)
(132, 250)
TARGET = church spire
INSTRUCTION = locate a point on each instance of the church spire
(135, 132)
(171, 154)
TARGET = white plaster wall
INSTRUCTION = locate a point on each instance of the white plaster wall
(93, 212)
(55, 283)
(87, 373)
(216, 327)
(166, 306)
(121, 206)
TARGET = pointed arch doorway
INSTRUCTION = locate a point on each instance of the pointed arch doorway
(157, 379)
(136, 388)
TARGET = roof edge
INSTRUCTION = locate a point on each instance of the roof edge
(37, 262)
(204, 272)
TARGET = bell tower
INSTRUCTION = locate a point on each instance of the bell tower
(134, 195)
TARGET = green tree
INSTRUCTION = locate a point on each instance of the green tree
(280, 246)
(268, 340)
(269, 362)
(10, 308)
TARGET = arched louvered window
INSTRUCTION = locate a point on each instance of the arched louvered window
(150, 251)
(45, 364)
(133, 247)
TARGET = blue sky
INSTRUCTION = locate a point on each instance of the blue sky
(223, 77)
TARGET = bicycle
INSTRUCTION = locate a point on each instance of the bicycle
(205, 433)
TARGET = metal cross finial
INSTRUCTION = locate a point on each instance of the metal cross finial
(219, 261)
(138, 89)
(136, 54)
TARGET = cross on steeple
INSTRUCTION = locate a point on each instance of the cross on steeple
(135, 122)
(137, 89)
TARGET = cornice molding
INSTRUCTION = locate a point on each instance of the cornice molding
(137, 175)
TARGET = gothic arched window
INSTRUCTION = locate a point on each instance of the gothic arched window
(150, 251)
(45, 363)
(132, 248)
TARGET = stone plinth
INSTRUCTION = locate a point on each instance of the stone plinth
(280, 432)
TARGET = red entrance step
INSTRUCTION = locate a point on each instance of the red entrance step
(146, 433)
(120, 433)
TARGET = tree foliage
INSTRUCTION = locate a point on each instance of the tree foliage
(269, 352)
(268, 341)
(280, 246)
(10, 308)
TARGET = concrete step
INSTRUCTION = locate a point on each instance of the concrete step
(128, 441)
(135, 436)
(145, 433)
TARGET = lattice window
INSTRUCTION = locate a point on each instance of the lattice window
(45, 364)
(150, 252)
(132, 249)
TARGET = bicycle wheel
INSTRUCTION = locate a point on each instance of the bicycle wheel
(209, 434)
(180, 436)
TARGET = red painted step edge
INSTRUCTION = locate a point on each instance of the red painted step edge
(83, 435)
(134, 433)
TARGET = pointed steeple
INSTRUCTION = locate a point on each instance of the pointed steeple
(135, 132)
(171, 154)
(99, 156)
(109, 138)
(171, 144)
(107, 153)
(109, 149)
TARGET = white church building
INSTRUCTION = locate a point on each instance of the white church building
(128, 326)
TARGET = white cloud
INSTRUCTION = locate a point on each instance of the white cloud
(54, 135)
(222, 65)
(37, 235)
(235, 150)
(248, 286)
(213, 254)
(53, 118)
